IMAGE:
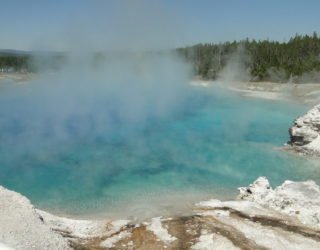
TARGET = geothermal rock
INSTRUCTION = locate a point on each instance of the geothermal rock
(305, 133)
(286, 217)
(21, 226)
(299, 200)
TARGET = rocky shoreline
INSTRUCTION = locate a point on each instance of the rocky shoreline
(286, 217)
(305, 133)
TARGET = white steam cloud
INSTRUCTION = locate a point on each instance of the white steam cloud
(90, 100)
(135, 82)
(236, 69)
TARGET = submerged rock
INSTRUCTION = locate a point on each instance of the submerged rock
(287, 217)
(305, 133)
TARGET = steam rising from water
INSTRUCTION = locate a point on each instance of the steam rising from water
(81, 101)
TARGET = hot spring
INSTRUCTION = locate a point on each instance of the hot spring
(139, 151)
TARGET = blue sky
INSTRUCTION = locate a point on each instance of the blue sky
(61, 24)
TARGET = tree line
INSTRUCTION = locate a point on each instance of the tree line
(295, 60)
(9, 63)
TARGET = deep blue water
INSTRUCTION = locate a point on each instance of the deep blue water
(216, 143)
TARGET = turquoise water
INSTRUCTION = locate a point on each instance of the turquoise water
(217, 142)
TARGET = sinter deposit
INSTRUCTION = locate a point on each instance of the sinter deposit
(305, 133)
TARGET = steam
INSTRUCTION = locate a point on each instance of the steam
(135, 80)
(236, 68)
(129, 91)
